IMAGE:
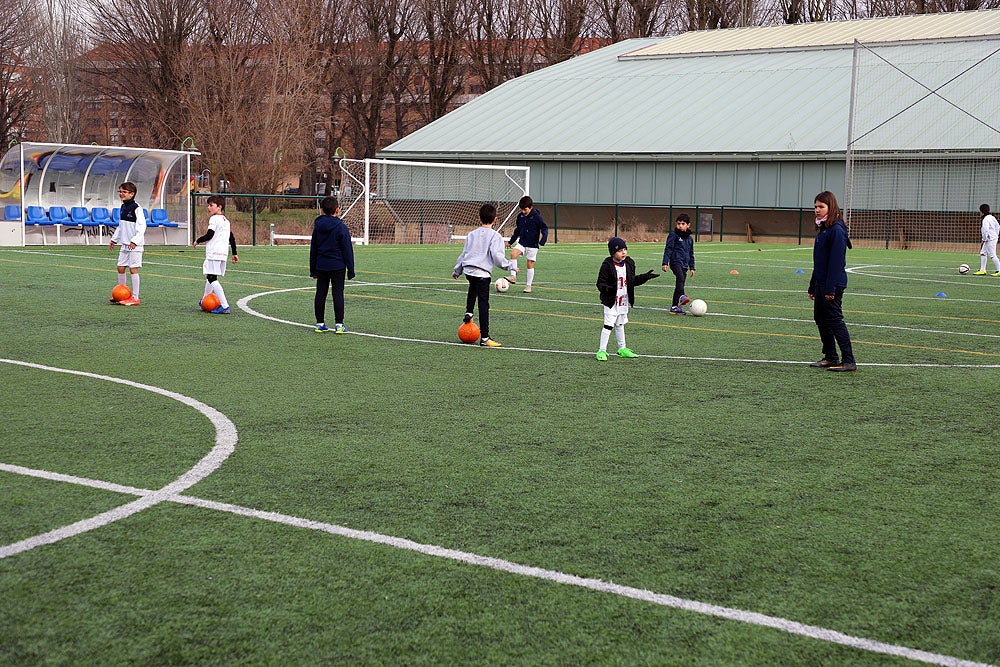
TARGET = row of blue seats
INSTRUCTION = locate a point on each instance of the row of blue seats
(80, 216)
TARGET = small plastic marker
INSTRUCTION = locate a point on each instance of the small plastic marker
(800, 272)
(734, 272)
(940, 294)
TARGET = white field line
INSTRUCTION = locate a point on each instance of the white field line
(502, 565)
(429, 287)
(225, 443)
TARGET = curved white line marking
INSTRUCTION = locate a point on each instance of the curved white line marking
(225, 443)
(243, 304)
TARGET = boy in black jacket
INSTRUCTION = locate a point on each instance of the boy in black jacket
(616, 282)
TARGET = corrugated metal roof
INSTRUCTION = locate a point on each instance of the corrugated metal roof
(784, 103)
(885, 30)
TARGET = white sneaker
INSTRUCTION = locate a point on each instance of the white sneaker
(527, 289)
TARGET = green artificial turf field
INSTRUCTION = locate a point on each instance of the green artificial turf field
(178, 487)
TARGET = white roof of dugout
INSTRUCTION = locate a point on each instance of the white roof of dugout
(777, 91)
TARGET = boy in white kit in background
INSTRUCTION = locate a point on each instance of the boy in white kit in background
(130, 235)
(991, 232)
(218, 240)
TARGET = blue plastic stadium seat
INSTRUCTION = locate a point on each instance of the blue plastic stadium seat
(158, 218)
(81, 217)
(101, 216)
(116, 216)
(59, 216)
(11, 212)
(34, 216)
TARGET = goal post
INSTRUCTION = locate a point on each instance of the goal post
(399, 202)
(923, 147)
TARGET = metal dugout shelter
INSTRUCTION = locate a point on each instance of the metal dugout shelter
(51, 175)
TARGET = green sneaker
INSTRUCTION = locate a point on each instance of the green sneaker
(627, 353)
(979, 273)
(602, 355)
(996, 275)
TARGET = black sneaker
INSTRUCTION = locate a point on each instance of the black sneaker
(825, 363)
(846, 367)
(467, 318)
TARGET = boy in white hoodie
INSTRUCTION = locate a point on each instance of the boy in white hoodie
(484, 250)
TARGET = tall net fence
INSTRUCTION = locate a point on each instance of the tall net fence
(924, 143)
(392, 201)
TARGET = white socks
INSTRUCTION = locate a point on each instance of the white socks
(531, 276)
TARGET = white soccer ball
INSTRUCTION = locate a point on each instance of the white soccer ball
(963, 268)
(698, 307)
(502, 285)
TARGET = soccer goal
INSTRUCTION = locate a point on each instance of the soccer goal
(923, 144)
(394, 201)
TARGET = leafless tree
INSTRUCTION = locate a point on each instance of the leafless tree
(561, 24)
(369, 63)
(56, 44)
(141, 46)
(251, 90)
(18, 98)
(625, 19)
(437, 53)
(500, 40)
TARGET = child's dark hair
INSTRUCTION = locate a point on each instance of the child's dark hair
(487, 213)
(128, 186)
(217, 199)
(984, 209)
(526, 202)
(684, 217)
(329, 205)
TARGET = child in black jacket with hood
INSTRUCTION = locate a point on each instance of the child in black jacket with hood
(616, 282)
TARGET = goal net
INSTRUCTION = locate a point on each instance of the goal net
(923, 144)
(393, 201)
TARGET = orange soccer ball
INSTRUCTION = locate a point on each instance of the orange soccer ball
(120, 293)
(469, 332)
(210, 303)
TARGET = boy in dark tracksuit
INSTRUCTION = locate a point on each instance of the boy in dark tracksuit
(678, 256)
(616, 282)
(331, 260)
(530, 233)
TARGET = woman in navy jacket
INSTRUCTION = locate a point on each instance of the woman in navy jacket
(826, 287)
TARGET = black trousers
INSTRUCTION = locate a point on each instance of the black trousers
(680, 275)
(479, 290)
(829, 316)
(323, 281)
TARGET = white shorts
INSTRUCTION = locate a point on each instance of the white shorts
(214, 267)
(529, 253)
(989, 249)
(615, 316)
(130, 258)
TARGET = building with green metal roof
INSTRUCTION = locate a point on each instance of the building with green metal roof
(739, 124)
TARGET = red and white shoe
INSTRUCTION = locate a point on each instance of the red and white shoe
(131, 301)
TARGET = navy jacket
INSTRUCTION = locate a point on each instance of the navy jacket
(331, 248)
(830, 260)
(607, 281)
(531, 229)
(679, 249)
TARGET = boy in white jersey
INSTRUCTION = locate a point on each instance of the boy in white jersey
(218, 240)
(615, 282)
(991, 232)
(130, 235)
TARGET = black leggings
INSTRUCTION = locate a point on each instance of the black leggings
(680, 273)
(323, 281)
(479, 290)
